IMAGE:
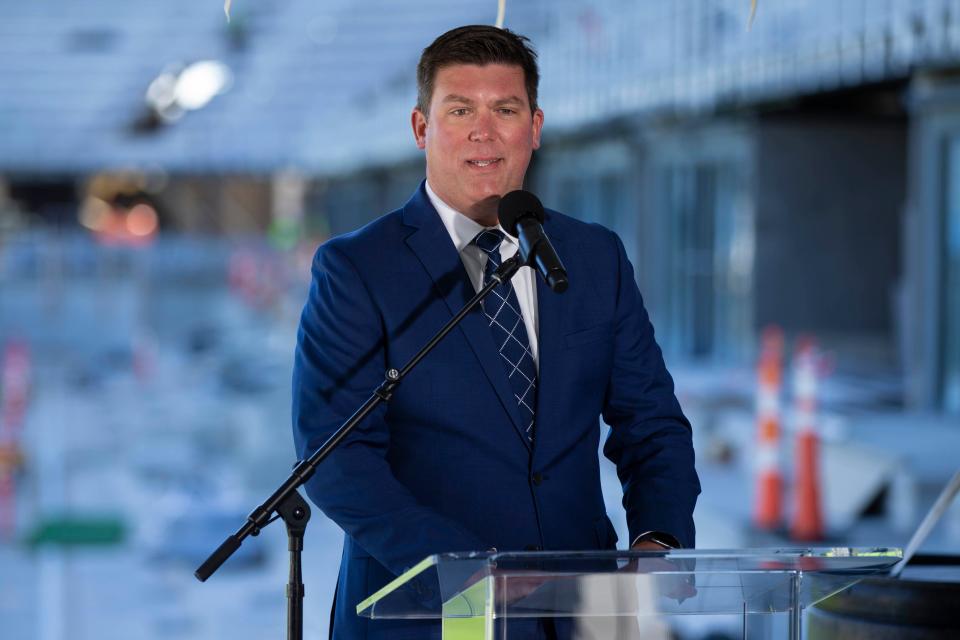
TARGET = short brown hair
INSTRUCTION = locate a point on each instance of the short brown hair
(480, 45)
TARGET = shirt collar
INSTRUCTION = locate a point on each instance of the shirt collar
(462, 230)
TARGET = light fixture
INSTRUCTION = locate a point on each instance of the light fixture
(187, 88)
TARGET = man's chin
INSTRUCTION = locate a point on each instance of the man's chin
(491, 193)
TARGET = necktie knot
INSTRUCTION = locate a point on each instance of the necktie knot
(489, 242)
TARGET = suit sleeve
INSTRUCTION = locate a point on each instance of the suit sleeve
(650, 439)
(340, 359)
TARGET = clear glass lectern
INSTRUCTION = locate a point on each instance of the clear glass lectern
(619, 594)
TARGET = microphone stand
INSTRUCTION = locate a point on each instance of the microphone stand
(287, 503)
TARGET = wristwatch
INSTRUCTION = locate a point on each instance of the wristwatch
(665, 540)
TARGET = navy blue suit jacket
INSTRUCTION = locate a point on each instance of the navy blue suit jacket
(445, 465)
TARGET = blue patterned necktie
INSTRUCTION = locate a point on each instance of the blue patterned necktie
(502, 309)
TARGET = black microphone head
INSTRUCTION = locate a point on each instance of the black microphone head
(518, 204)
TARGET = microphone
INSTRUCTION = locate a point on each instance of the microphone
(521, 215)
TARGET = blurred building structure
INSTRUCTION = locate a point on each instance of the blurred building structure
(797, 172)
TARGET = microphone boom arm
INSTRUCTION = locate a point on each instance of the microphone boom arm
(286, 501)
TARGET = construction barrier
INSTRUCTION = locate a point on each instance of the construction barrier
(14, 393)
(768, 507)
(807, 521)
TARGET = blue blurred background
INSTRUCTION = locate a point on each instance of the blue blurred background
(166, 174)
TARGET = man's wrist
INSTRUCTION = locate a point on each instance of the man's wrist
(665, 540)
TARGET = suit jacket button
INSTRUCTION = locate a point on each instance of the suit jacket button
(537, 478)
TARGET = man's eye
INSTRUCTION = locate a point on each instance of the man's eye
(507, 111)
(459, 112)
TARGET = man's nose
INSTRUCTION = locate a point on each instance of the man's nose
(483, 128)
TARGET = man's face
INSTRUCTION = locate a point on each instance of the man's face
(478, 136)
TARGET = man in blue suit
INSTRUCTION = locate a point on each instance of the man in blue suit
(491, 442)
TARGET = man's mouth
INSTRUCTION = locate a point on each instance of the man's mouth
(484, 162)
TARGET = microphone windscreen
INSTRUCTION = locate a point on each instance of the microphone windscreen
(516, 205)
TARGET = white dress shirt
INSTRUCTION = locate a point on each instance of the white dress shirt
(462, 231)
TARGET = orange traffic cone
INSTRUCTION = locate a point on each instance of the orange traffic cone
(768, 508)
(7, 495)
(807, 524)
(14, 394)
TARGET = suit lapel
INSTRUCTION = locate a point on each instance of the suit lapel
(432, 245)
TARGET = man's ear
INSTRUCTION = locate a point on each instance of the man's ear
(537, 127)
(419, 123)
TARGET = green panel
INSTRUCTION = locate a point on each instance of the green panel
(78, 531)
(416, 570)
(469, 614)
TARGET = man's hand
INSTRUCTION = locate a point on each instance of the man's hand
(513, 588)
